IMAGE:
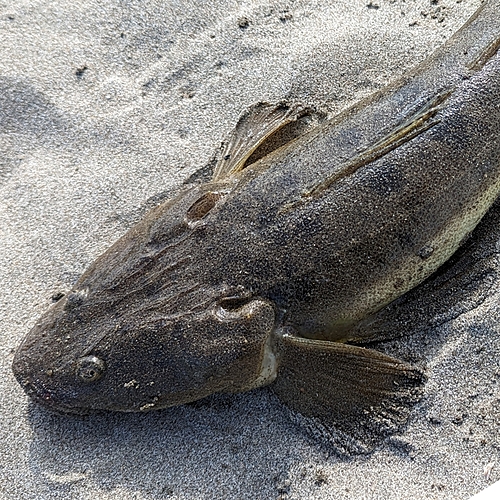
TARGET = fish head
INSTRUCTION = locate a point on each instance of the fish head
(75, 364)
(140, 332)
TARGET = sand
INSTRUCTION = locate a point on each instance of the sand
(105, 108)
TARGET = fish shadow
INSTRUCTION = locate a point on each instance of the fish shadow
(241, 442)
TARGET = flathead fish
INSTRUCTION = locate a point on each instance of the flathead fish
(265, 273)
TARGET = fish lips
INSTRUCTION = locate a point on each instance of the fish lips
(48, 399)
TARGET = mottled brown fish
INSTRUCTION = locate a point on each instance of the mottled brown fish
(263, 274)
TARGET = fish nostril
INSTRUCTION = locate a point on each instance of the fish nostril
(56, 297)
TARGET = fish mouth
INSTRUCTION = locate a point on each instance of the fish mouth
(50, 401)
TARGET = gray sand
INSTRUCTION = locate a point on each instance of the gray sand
(106, 107)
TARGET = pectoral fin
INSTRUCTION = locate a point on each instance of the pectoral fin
(253, 129)
(352, 396)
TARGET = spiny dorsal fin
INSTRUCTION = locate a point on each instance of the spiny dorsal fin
(253, 129)
(352, 396)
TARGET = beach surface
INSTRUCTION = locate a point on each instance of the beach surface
(105, 109)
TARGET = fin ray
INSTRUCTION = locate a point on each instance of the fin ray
(354, 395)
(411, 128)
(254, 127)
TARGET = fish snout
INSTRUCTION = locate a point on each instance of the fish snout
(36, 383)
(48, 399)
(40, 366)
(39, 391)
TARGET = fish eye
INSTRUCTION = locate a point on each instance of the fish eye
(90, 368)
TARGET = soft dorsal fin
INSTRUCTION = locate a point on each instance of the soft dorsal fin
(253, 129)
(352, 396)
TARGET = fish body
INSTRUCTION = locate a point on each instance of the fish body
(261, 275)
